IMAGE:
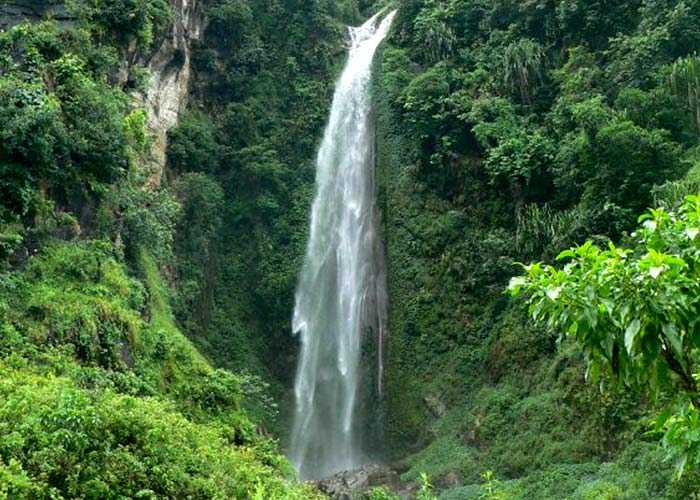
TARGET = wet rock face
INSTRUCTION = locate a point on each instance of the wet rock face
(349, 484)
(166, 94)
(13, 12)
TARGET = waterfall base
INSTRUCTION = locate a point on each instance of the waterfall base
(348, 484)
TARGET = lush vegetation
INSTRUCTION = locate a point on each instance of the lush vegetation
(508, 132)
(243, 163)
(633, 311)
(144, 327)
(102, 395)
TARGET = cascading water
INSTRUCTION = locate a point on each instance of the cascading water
(341, 290)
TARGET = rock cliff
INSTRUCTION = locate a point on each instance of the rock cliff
(165, 95)
(170, 72)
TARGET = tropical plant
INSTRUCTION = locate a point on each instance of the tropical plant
(425, 490)
(433, 31)
(684, 82)
(523, 67)
(492, 488)
(634, 312)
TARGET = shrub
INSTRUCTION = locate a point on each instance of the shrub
(632, 311)
(57, 440)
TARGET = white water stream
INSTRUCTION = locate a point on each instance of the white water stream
(341, 292)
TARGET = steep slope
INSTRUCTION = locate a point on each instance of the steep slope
(102, 395)
(508, 131)
(156, 172)
(261, 94)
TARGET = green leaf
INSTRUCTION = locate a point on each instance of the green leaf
(554, 292)
(566, 254)
(680, 465)
(516, 284)
(671, 333)
(631, 333)
(656, 271)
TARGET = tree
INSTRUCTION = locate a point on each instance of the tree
(684, 82)
(522, 67)
(433, 32)
(124, 20)
(636, 314)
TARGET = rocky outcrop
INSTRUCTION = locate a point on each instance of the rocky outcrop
(165, 96)
(13, 12)
(170, 73)
(350, 484)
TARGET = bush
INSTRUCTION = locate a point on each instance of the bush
(57, 440)
(77, 294)
(193, 145)
(632, 312)
(124, 20)
(63, 126)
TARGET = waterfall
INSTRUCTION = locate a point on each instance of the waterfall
(341, 290)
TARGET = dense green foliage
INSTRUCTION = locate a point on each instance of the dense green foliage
(243, 163)
(62, 441)
(102, 396)
(137, 320)
(509, 131)
(634, 313)
(45, 96)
